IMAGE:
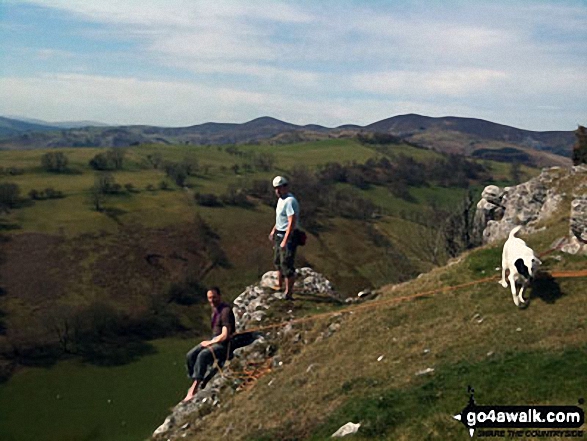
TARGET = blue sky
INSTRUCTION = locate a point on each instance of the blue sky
(185, 62)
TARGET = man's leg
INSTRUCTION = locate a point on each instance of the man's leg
(289, 286)
(191, 358)
(204, 360)
(288, 268)
(277, 263)
(279, 280)
(192, 390)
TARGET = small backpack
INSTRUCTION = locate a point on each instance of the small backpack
(300, 237)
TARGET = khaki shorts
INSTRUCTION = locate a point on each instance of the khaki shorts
(283, 258)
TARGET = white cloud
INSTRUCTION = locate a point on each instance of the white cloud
(48, 54)
(129, 100)
(310, 62)
(132, 101)
(456, 82)
(186, 13)
(121, 100)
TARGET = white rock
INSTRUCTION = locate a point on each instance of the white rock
(348, 429)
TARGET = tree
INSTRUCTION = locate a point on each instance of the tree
(116, 156)
(156, 159)
(54, 162)
(106, 183)
(103, 184)
(111, 160)
(100, 162)
(191, 165)
(515, 172)
(264, 161)
(580, 147)
(97, 198)
(179, 172)
(207, 200)
(34, 194)
(9, 195)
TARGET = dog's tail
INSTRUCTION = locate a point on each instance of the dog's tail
(514, 231)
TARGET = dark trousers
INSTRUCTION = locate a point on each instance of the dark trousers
(198, 359)
(283, 258)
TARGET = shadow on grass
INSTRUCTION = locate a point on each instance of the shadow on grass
(545, 288)
(316, 298)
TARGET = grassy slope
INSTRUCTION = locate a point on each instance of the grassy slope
(533, 356)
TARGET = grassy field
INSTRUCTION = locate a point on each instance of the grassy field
(367, 371)
(73, 401)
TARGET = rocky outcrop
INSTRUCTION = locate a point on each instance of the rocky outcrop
(252, 310)
(489, 208)
(532, 202)
(577, 241)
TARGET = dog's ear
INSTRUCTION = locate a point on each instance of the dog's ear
(522, 268)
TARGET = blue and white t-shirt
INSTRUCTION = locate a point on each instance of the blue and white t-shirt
(286, 206)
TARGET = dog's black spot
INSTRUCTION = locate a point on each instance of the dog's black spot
(522, 268)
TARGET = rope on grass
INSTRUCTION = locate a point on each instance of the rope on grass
(250, 377)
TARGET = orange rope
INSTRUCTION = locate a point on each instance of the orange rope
(556, 274)
(253, 376)
(368, 305)
(569, 274)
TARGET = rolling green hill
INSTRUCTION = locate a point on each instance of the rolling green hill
(136, 268)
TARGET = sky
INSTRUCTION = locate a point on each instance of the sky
(178, 63)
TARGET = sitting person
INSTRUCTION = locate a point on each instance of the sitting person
(201, 357)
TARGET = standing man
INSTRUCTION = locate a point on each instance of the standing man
(287, 214)
(201, 357)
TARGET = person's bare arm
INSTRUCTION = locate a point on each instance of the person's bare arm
(291, 221)
(218, 339)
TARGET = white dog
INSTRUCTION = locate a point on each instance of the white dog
(521, 262)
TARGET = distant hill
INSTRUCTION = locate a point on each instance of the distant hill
(13, 127)
(468, 136)
(60, 124)
(425, 129)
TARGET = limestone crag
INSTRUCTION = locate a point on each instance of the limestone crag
(577, 241)
(251, 311)
(531, 203)
(250, 308)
